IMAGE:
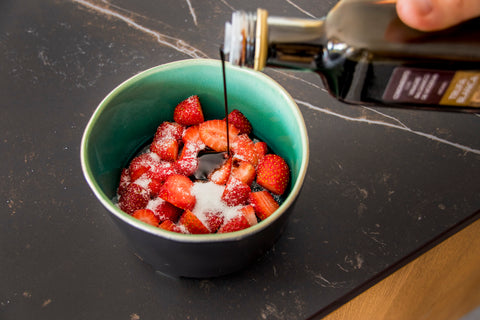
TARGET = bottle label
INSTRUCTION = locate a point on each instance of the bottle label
(427, 86)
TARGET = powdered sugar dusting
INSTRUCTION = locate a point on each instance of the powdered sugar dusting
(209, 200)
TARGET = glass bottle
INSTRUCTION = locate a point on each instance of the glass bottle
(366, 55)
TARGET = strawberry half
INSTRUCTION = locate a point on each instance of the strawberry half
(188, 112)
(241, 122)
(245, 219)
(244, 171)
(141, 164)
(220, 175)
(263, 203)
(261, 148)
(164, 210)
(146, 216)
(214, 220)
(170, 226)
(188, 162)
(192, 223)
(192, 135)
(177, 190)
(214, 134)
(273, 173)
(236, 192)
(135, 197)
(124, 181)
(244, 149)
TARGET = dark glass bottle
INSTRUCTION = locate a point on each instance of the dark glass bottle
(366, 55)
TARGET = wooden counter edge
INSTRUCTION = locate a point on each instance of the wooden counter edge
(441, 284)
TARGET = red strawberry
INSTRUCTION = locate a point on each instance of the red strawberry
(214, 134)
(141, 164)
(146, 216)
(220, 175)
(244, 171)
(236, 192)
(273, 173)
(263, 203)
(192, 135)
(169, 131)
(192, 223)
(177, 190)
(188, 112)
(261, 148)
(249, 213)
(166, 149)
(245, 219)
(244, 149)
(186, 165)
(214, 220)
(188, 162)
(161, 170)
(124, 181)
(170, 226)
(164, 210)
(135, 197)
(241, 122)
(165, 141)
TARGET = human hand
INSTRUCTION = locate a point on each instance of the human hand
(432, 15)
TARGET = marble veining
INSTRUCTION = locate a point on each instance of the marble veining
(182, 46)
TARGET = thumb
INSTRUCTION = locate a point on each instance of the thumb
(431, 15)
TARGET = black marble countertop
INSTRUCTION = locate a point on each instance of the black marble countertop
(383, 184)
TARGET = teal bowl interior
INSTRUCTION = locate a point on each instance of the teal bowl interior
(128, 117)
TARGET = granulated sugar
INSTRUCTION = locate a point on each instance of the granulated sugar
(209, 200)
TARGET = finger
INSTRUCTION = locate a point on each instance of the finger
(431, 15)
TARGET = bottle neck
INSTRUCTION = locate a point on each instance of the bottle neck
(256, 40)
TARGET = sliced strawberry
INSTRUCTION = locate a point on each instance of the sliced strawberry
(214, 220)
(146, 216)
(243, 220)
(241, 122)
(141, 164)
(177, 190)
(169, 131)
(164, 210)
(161, 170)
(244, 149)
(166, 149)
(170, 226)
(187, 165)
(214, 134)
(261, 148)
(192, 135)
(243, 171)
(135, 197)
(236, 192)
(124, 181)
(273, 173)
(220, 175)
(192, 223)
(263, 203)
(188, 112)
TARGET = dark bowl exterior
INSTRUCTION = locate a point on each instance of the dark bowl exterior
(201, 259)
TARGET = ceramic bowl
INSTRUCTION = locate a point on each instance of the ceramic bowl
(127, 119)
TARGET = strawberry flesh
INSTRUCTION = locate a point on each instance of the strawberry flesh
(146, 216)
(263, 203)
(214, 134)
(177, 190)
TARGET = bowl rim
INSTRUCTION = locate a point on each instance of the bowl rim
(195, 238)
